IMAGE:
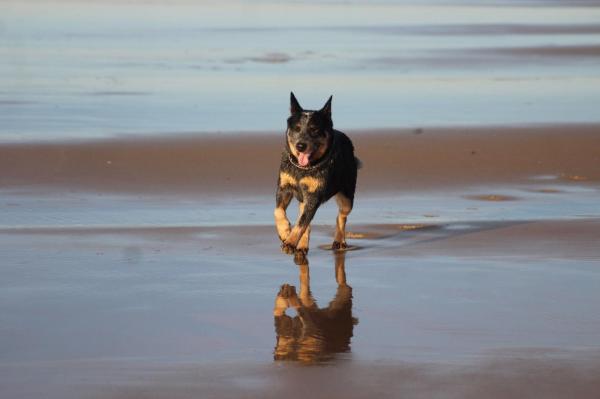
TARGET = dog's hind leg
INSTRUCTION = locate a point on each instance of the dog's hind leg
(282, 199)
(345, 207)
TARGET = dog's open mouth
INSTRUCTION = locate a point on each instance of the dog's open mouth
(304, 158)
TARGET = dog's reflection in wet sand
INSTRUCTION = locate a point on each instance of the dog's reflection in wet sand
(314, 334)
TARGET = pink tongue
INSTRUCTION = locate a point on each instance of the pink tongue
(303, 158)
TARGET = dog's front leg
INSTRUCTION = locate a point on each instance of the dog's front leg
(282, 200)
(307, 212)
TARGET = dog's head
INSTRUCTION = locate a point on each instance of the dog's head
(308, 132)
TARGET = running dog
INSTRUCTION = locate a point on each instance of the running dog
(317, 163)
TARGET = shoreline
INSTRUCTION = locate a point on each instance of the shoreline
(393, 159)
(463, 239)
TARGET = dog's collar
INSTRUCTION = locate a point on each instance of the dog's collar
(321, 162)
(315, 166)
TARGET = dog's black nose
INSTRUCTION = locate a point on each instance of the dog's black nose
(301, 146)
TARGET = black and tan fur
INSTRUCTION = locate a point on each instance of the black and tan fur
(331, 171)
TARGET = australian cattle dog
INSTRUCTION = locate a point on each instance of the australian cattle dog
(317, 163)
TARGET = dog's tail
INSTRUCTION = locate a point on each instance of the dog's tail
(359, 163)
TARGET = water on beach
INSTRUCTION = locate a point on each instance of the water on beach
(149, 267)
(77, 70)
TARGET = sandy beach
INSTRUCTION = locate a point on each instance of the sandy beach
(139, 150)
(394, 159)
(150, 268)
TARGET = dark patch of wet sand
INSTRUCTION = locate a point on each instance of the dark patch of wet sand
(495, 56)
(492, 197)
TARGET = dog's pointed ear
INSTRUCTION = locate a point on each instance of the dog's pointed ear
(326, 110)
(295, 107)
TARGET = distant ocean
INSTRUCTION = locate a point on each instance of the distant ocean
(93, 69)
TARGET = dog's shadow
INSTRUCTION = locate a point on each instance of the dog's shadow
(315, 334)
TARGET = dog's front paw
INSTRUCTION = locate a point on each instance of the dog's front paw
(288, 248)
(339, 245)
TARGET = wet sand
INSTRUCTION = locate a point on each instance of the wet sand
(150, 269)
(441, 311)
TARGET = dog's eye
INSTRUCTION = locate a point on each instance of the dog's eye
(315, 133)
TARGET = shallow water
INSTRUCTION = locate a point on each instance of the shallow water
(94, 69)
(175, 312)
(122, 295)
(27, 209)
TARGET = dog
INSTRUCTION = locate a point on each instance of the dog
(317, 163)
(315, 334)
